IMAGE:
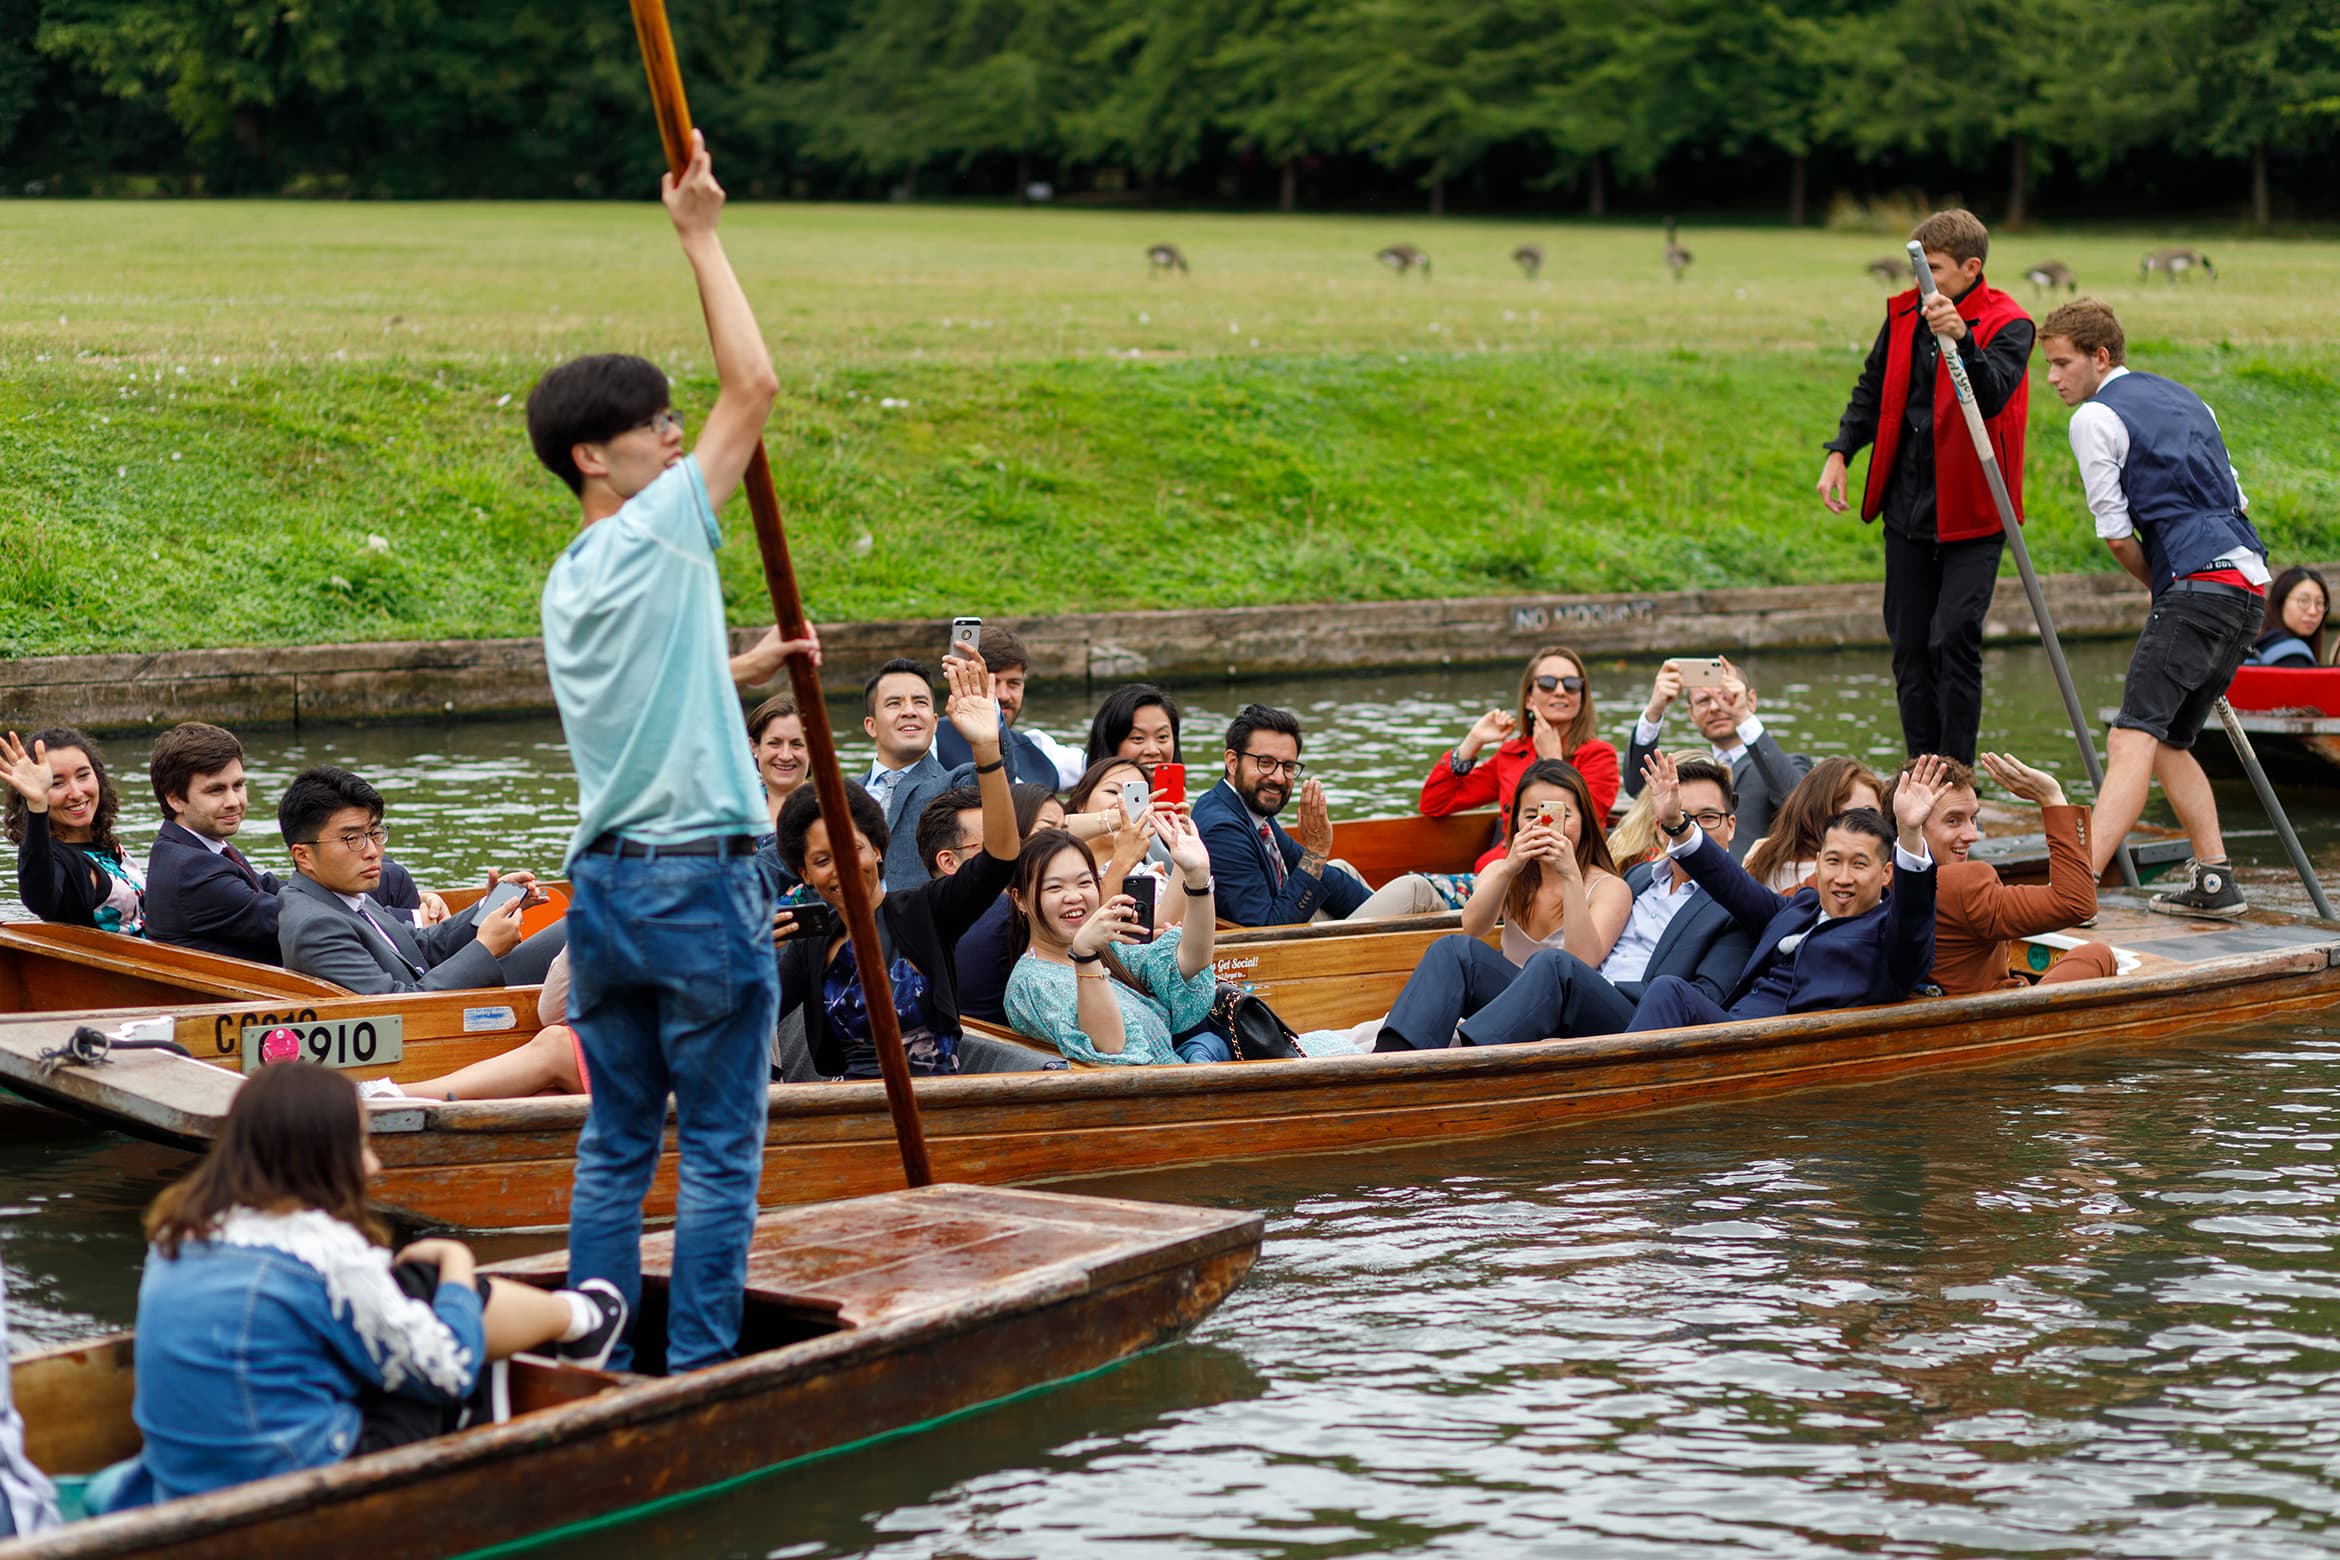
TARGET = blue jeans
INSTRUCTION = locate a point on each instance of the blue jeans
(672, 989)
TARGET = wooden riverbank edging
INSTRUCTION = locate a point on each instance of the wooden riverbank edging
(246, 689)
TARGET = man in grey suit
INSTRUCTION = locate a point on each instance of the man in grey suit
(907, 775)
(1761, 771)
(332, 823)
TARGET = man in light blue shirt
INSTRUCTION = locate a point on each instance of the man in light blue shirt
(672, 983)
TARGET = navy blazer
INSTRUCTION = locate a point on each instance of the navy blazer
(1849, 962)
(195, 898)
(920, 784)
(1026, 763)
(1763, 774)
(1246, 877)
(1702, 943)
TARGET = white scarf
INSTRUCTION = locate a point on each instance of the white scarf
(403, 1336)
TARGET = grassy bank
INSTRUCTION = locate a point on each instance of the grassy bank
(253, 424)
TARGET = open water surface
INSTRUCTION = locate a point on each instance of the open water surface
(2085, 1305)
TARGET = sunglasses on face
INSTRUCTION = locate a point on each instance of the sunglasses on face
(1548, 684)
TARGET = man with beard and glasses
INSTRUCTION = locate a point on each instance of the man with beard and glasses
(1264, 876)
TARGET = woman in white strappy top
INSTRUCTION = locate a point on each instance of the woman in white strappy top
(1556, 887)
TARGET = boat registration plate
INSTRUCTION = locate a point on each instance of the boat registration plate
(340, 1042)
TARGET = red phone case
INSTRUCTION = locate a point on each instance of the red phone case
(1170, 780)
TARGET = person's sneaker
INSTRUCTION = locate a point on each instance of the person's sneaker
(593, 1350)
(2209, 891)
(380, 1089)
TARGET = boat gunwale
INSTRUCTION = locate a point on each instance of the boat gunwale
(797, 1101)
(1214, 1233)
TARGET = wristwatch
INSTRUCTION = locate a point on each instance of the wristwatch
(1673, 833)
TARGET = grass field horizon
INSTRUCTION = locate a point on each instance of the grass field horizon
(241, 423)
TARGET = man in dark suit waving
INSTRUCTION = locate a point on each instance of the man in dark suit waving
(1864, 934)
(1676, 928)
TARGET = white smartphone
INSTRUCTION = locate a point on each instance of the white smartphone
(1134, 798)
(966, 635)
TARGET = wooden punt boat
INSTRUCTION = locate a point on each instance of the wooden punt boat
(2291, 715)
(864, 1318)
(507, 1164)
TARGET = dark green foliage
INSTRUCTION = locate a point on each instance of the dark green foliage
(1507, 97)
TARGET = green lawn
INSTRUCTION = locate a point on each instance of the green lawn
(255, 423)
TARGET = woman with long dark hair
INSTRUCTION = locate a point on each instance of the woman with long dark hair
(61, 809)
(2292, 633)
(1785, 857)
(1555, 720)
(276, 1331)
(1555, 886)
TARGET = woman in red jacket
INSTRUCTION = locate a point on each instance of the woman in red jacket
(1555, 720)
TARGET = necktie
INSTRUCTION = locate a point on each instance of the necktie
(383, 932)
(236, 858)
(1267, 837)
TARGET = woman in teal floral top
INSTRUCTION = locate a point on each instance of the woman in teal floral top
(1088, 985)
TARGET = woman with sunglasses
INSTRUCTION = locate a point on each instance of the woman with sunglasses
(1555, 721)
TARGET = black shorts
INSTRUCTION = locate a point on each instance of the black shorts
(2198, 634)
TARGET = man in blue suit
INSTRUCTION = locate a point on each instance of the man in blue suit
(1033, 756)
(1864, 935)
(1264, 876)
(201, 892)
(906, 775)
(1676, 929)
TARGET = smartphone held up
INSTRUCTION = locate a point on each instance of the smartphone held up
(966, 635)
(1140, 888)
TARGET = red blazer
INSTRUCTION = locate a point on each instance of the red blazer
(1963, 507)
(1493, 781)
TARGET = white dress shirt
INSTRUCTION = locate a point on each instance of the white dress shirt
(1071, 762)
(2100, 443)
(1654, 909)
(1646, 733)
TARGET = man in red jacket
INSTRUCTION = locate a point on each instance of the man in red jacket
(1942, 534)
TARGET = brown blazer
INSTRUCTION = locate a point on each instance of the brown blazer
(1976, 915)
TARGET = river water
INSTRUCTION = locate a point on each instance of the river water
(2087, 1305)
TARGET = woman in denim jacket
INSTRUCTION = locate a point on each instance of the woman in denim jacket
(275, 1331)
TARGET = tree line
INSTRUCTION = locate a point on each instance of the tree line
(1550, 104)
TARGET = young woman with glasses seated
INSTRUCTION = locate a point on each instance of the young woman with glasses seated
(1555, 721)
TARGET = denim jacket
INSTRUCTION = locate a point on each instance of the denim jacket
(255, 1344)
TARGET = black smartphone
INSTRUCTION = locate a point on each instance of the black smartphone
(813, 919)
(1141, 889)
(496, 898)
(966, 637)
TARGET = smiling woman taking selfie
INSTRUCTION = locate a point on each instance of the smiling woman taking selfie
(1555, 720)
(61, 810)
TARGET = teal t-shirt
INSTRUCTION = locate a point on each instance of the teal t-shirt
(634, 640)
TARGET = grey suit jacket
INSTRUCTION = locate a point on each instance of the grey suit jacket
(1763, 776)
(920, 784)
(321, 936)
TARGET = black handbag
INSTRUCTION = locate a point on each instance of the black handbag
(1252, 1029)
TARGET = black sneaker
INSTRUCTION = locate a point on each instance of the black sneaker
(2210, 891)
(593, 1350)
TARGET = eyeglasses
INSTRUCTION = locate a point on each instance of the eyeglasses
(1711, 820)
(662, 424)
(1271, 767)
(1572, 684)
(355, 840)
